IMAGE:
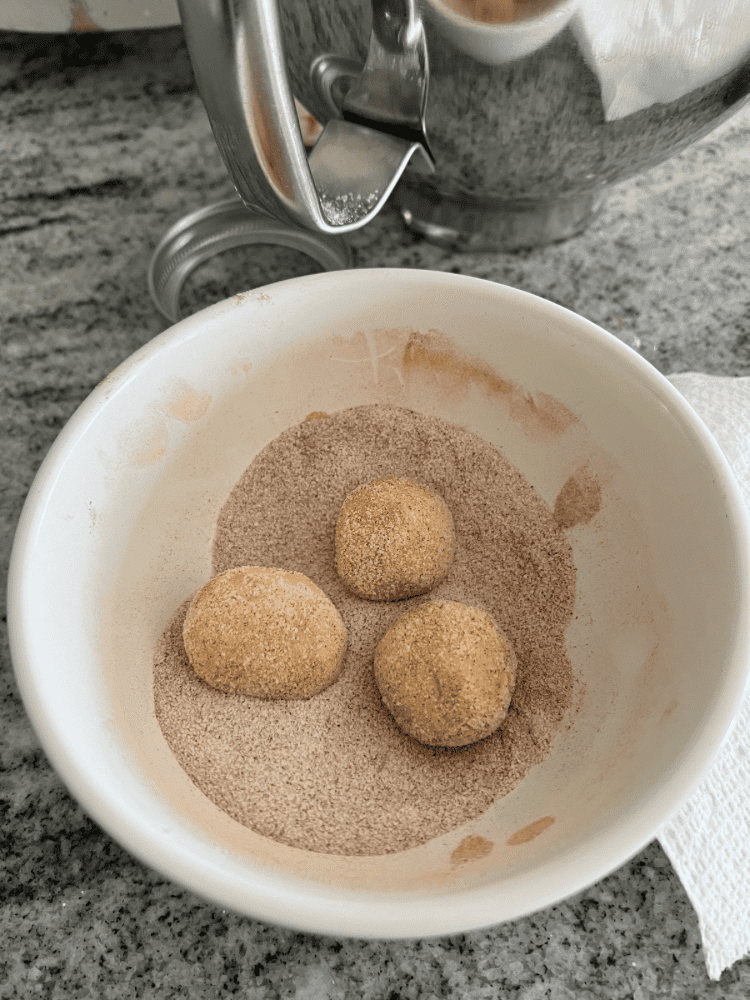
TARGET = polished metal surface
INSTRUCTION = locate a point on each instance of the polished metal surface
(197, 237)
(391, 91)
(520, 151)
(239, 63)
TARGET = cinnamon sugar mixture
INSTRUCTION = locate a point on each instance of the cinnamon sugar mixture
(335, 774)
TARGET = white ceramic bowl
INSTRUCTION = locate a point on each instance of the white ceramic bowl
(503, 42)
(116, 533)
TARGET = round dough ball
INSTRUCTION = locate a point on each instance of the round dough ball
(394, 539)
(267, 633)
(446, 673)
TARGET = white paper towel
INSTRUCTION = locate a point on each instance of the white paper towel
(708, 839)
(654, 51)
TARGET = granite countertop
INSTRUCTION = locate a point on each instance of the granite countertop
(105, 144)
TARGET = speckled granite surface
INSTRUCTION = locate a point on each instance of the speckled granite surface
(104, 144)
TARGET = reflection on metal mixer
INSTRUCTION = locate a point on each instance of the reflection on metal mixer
(529, 121)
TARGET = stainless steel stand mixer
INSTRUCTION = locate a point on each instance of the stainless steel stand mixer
(485, 137)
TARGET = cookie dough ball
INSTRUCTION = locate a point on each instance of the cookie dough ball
(446, 673)
(394, 539)
(267, 633)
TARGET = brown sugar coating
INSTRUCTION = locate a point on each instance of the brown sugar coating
(335, 774)
(394, 539)
(267, 633)
(446, 673)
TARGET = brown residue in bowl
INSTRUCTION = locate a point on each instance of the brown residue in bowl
(189, 406)
(527, 833)
(541, 416)
(81, 19)
(580, 499)
(471, 849)
(151, 447)
(244, 367)
(429, 352)
(668, 710)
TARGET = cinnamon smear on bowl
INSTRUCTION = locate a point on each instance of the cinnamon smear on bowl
(335, 774)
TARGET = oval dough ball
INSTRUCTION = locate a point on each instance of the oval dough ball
(446, 673)
(394, 539)
(267, 633)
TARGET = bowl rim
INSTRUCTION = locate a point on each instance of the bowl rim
(559, 14)
(339, 912)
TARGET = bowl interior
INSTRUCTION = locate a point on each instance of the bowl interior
(118, 528)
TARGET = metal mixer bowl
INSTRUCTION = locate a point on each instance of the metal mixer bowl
(523, 151)
(512, 146)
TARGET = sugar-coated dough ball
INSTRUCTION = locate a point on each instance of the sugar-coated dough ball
(446, 673)
(394, 539)
(263, 632)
